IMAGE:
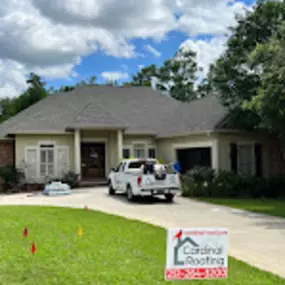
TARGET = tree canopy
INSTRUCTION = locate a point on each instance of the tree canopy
(35, 92)
(240, 75)
(176, 76)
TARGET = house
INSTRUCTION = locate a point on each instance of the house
(90, 129)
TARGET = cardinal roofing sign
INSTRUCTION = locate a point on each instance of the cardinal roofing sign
(197, 254)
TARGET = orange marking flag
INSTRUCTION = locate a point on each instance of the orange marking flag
(26, 233)
(34, 249)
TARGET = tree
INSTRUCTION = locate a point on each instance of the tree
(35, 92)
(232, 75)
(177, 76)
(268, 60)
(67, 88)
(145, 76)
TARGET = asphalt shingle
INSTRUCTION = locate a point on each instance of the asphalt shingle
(139, 110)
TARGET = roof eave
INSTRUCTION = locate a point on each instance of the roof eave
(89, 128)
(206, 132)
(51, 132)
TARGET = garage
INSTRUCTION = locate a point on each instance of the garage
(191, 157)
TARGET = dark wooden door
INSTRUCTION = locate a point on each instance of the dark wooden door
(92, 160)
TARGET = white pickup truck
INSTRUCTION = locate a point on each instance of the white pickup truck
(143, 177)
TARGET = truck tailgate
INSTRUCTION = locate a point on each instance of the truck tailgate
(171, 181)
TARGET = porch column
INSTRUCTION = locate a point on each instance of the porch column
(120, 145)
(215, 154)
(77, 152)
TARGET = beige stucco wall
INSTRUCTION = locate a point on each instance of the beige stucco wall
(267, 149)
(111, 139)
(131, 139)
(167, 147)
(23, 141)
(108, 137)
(220, 144)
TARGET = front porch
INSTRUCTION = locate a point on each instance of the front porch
(95, 153)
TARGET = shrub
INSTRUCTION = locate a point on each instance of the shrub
(12, 178)
(275, 187)
(71, 179)
(198, 182)
(204, 182)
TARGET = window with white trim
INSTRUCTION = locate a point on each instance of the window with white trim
(151, 152)
(62, 160)
(245, 159)
(139, 150)
(31, 163)
(47, 160)
(126, 152)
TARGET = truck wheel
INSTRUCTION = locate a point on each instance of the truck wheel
(111, 189)
(130, 194)
(169, 197)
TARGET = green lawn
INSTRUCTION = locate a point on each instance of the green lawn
(266, 206)
(111, 251)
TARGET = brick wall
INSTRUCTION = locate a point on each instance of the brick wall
(6, 152)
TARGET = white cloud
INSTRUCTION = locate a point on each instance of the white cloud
(114, 75)
(152, 50)
(12, 78)
(141, 66)
(50, 37)
(207, 51)
(148, 18)
(208, 16)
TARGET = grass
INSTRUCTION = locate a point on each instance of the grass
(111, 251)
(265, 206)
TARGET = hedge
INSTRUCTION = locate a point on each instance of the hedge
(205, 182)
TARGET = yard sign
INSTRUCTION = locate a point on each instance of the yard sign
(197, 254)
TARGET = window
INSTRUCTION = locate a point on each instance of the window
(47, 160)
(245, 159)
(62, 160)
(126, 153)
(31, 163)
(152, 152)
(139, 150)
(136, 164)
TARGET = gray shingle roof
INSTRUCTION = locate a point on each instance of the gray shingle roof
(138, 110)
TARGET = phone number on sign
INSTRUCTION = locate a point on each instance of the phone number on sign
(196, 273)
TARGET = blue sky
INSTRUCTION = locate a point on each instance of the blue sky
(97, 63)
(69, 41)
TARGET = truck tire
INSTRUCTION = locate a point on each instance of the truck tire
(169, 197)
(130, 194)
(111, 189)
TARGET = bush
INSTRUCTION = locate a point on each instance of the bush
(275, 187)
(198, 182)
(203, 182)
(12, 178)
(71, 179)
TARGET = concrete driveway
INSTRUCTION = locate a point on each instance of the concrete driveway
(256, 239)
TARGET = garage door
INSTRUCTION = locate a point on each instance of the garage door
(191, 157)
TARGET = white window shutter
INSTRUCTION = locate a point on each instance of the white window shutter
(62, 161)
(31, 166)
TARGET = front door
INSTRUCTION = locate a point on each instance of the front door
(92, 160)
